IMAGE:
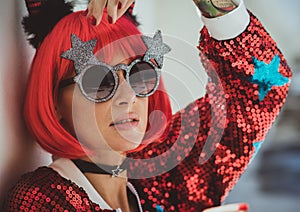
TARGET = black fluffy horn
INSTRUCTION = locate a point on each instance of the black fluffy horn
(43, 16)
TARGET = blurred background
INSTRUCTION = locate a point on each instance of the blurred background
(272, 181)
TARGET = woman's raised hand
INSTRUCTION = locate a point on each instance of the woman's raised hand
(115, 9)
(214, 8)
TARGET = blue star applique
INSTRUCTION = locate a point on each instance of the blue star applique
(257, 146)
(159, 208)
(267, 75)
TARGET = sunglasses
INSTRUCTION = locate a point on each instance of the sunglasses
(99, 81)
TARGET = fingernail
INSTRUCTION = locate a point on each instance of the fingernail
(110, 20)
(85, 12)
(94, 21)
(243, 207)
(119, 5)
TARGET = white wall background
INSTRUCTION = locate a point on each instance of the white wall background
(179, 23)
(18, 152)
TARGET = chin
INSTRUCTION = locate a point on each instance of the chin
(127, 143)
(127, 148)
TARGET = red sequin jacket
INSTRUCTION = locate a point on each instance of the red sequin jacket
(214, 137)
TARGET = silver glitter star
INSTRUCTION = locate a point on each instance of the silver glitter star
(156, 48)
(81, 52)
(116, 172)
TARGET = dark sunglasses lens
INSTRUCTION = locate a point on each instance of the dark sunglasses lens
(98, 82)
(143, 78)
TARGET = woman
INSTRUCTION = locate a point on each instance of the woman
(95, 97)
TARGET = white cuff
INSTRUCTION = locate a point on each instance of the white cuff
(230, 25)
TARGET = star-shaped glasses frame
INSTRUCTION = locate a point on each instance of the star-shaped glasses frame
(82, 55)
(113, 69)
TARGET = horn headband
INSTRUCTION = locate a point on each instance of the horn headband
(45, 14)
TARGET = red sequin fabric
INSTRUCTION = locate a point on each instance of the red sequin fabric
(246, 86)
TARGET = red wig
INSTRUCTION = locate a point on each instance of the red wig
(48, 69)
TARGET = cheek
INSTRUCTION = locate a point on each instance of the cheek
(78, 116)
(144, 113)
(64, 109)
(102, 114)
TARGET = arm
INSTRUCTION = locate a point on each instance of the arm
(45, 190)
(254, 77)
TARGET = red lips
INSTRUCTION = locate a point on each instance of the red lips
(126, 119)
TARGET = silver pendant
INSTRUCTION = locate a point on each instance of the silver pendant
(116, 172)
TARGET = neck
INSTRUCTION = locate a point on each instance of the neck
(109, 158)
(112, 189)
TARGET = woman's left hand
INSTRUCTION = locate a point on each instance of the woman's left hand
(115, 9)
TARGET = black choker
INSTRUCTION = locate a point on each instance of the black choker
(89, 167)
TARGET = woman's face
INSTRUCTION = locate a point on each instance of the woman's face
(118, 124)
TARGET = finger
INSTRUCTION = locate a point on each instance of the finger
(95, 9)
(90, 8)
(112, 7)
(122, 4)
(124, 8)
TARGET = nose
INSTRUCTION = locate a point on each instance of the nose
(124, 94)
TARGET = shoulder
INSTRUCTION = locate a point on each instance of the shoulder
(41, 179)
(44, 189)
